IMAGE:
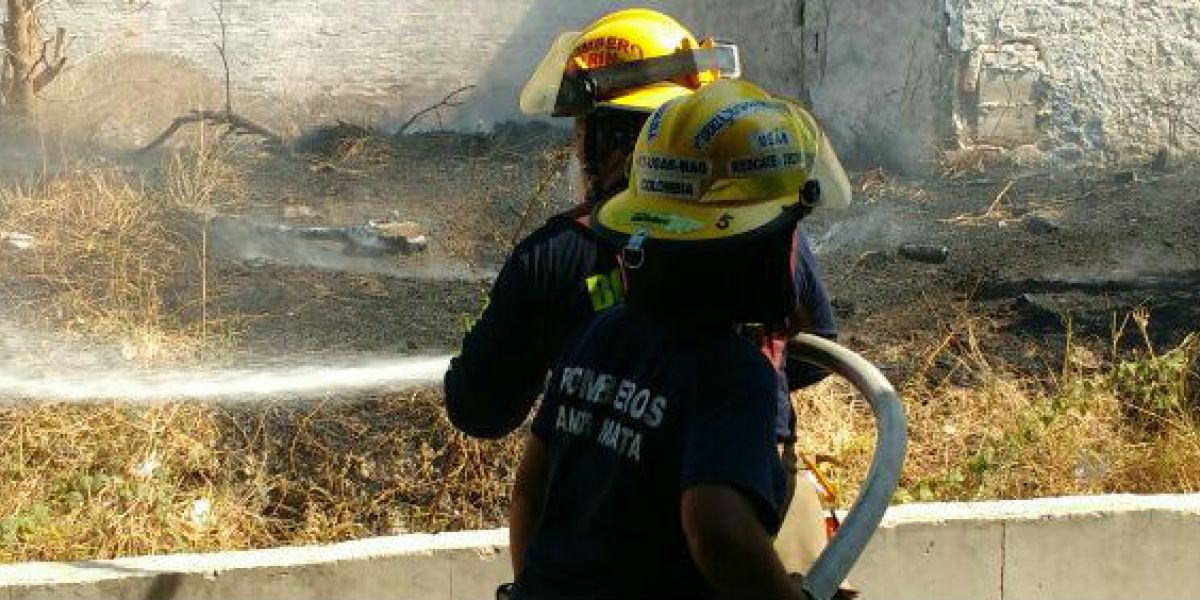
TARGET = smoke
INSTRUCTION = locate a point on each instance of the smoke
(244, 240)
(877, 229)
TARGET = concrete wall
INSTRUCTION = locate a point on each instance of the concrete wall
(895, 81)
(1116, 80)
(876, 72)
(1118, 547)
(380, 60)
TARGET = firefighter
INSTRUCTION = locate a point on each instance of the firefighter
(651, 469)
(563, 274)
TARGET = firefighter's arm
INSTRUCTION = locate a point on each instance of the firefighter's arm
(732, 480)
(492, 384)
(525, 509)
(813, 314)
(730, 546)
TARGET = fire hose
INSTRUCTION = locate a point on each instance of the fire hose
(835, 562)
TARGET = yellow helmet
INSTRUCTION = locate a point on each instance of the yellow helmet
(623, 37)
(728, 160)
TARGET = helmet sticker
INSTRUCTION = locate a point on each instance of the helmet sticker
(764, 163)
(766, 140)
(669, 222)
(726, 116)
(673, 188)
(656, 119)
(675, 165)
(605, 51)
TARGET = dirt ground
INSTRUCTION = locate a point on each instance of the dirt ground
(1027, 251)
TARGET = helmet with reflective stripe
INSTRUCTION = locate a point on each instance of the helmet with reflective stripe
(623, 37)
(727, 160)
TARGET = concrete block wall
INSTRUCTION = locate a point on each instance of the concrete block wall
(1100, 548)
(1112, 80)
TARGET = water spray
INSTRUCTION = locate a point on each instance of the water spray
(300, 381)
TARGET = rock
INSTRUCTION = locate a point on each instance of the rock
(872, 259)
(925, 253)
(1125, 177)
(1039, 223)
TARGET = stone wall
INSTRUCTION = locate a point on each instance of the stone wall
(876, 72)
(1114, 81)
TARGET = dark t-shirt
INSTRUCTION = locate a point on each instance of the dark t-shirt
(633, 415)
(556, 280)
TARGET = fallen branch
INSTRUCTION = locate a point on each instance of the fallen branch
(996, 204)
(448, 102)
(237, 124)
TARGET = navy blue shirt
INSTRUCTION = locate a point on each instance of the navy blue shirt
(555, 281)
(633, 415)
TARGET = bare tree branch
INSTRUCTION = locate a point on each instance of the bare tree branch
(219, 9)
(449, 101)
(52, 64)
(237, 124)
(30, 59)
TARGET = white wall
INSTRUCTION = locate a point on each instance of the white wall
(381, 60)
(894, 80)
(1118, 547)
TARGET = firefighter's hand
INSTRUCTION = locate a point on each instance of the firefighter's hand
(504, 592)
(843, 593)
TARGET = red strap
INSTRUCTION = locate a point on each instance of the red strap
(773, 347)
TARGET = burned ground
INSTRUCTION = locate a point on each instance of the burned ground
(1001, 336)
(1034, 253)
(1030, 251)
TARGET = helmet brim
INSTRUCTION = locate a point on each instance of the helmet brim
(686, 221)
(836, 192)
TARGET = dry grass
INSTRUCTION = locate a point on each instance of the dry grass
(127, 259)
(119, 258)
(94, 481)
(1129, 424)
(967, 162)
